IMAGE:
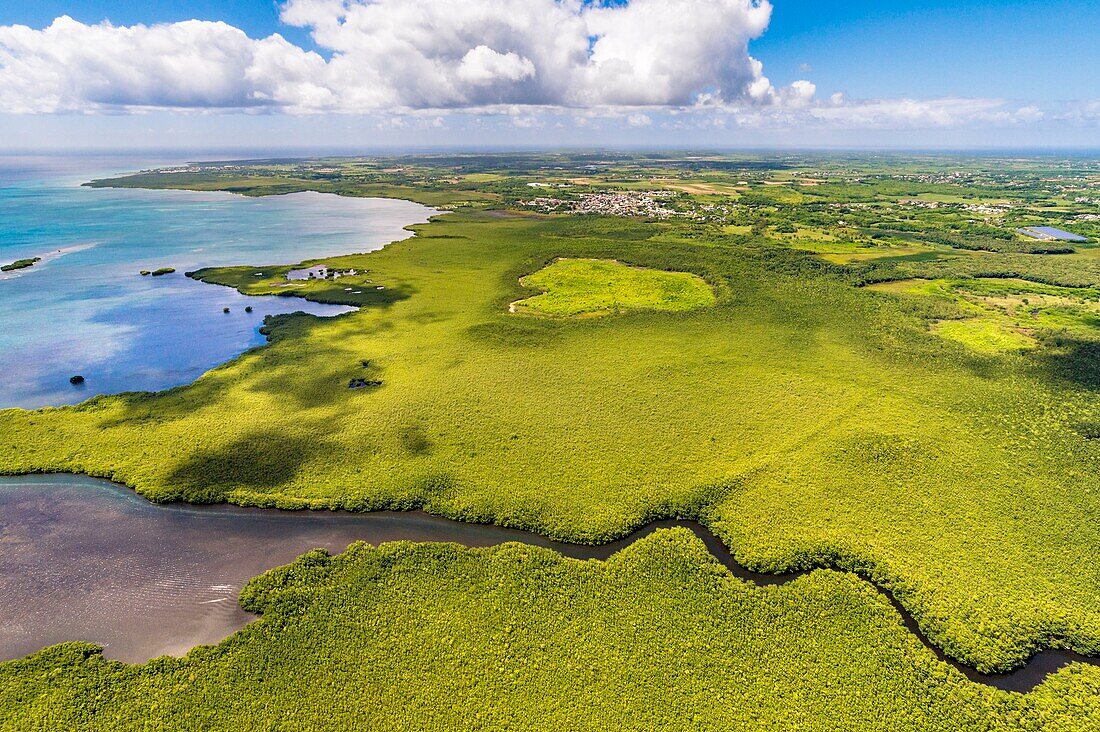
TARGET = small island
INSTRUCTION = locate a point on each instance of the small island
(20, 264)
(158, 272)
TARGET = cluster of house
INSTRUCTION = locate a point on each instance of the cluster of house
(991, 209)
(648, 204)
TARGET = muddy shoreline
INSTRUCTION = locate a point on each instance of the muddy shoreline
(163, 578)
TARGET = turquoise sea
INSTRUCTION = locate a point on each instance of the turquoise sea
(84, 309)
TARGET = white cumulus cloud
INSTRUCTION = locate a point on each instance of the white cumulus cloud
(483, 65)
(387, 55)
(636, 64)
(910, 113)
(70, 66)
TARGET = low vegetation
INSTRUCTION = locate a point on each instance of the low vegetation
(582, 287)
(938, 442)
(435, 636)
(20, 264)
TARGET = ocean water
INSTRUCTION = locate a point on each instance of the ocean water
(85, 309)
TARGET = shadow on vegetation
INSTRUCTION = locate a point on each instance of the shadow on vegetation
(147, 407)
(1088, 430)
(261, 460)
(415, 440)
(512, 332)
(299, 390)
(1071, 360)
(292, 379)
(279, 327)
(368, 297)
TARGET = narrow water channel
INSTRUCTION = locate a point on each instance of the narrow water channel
(86, 559)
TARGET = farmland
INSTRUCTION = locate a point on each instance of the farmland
(831, 362)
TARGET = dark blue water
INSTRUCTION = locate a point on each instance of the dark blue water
(84, 309)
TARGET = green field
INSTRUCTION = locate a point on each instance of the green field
(583, 287)
(1008, 314)
(983, 335)
(808, 419)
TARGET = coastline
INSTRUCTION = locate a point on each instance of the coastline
(141, 311)
(829, 556)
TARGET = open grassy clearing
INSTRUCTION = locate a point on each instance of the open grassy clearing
(1008, 314)
(435, 636)
(585, 287)
(705, 189)
(984, 335)
(806, 233)
(483, 177)
(781, 193)
(848, 252)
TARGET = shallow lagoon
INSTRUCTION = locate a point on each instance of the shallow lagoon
(85, 309)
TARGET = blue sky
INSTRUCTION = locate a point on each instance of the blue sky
(258, 18)
(902, 68)
(1022, 49)
(1017, 49)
